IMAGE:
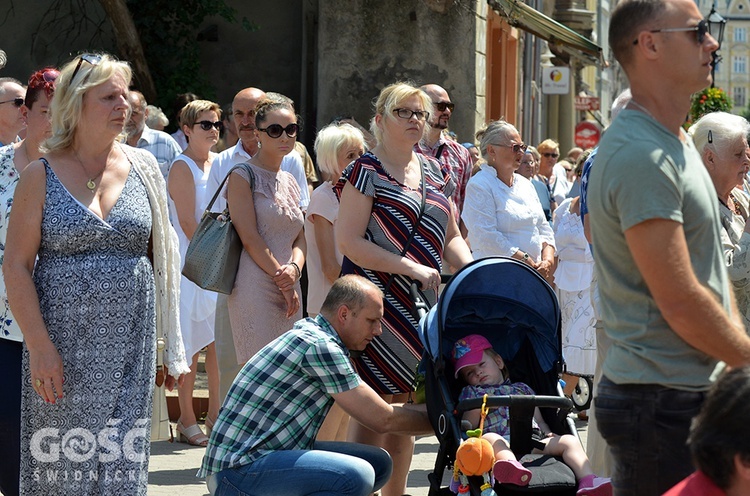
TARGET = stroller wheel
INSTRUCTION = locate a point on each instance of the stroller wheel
(582, 393)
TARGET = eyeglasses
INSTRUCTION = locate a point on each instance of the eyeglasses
(405, 113)
(441, 106)
(275, 130)
(17, 102)
(207, 125)
(516, 147)
(550, 154)
(91, 58)
(701, 29)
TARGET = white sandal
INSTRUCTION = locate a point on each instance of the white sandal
(192, 435)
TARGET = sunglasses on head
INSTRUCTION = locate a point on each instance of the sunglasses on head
(701, 29)
(17, 102)
(91, 58)
(441, 106)
(207, 125)
(275, 130)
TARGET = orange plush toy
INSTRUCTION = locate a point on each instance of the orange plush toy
(475, 456)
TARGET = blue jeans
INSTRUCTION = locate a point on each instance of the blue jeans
(331, 468)
(10, 415)
(646, 426)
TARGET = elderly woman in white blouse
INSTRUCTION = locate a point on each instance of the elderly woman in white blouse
(502, 210)
(721, 139)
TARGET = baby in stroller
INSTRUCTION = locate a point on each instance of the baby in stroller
(484, 372)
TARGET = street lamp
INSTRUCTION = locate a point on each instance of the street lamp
(716, 24)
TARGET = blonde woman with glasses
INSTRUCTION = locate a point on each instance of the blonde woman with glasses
(381, 199)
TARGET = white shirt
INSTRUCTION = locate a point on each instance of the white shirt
(291, 163)
(502, 219)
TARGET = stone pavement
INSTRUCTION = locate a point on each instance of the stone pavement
(173, 466)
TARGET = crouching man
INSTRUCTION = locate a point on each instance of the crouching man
(263, 441)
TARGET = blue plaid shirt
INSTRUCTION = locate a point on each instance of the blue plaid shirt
(280, 398)
(161, 145)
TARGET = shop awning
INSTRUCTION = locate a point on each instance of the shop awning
(559, 36)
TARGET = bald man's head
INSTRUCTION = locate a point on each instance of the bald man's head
(243, 112)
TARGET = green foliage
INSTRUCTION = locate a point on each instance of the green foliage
(709, 100)
(169, 33)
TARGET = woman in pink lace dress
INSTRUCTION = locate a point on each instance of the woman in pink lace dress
(265, 210)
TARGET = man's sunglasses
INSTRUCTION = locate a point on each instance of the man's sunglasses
(91, 58)
(441, 106)
(701, 29)
(17, 102)
(275, 130)
(207, 125)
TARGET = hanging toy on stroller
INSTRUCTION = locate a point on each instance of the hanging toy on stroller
(474, 456)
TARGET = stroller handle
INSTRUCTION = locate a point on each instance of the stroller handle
(522, 400)
(420, 305)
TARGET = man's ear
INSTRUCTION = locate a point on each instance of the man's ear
(342, 313)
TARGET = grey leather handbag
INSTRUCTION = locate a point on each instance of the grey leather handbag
(213, 254)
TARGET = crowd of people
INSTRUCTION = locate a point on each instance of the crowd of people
(97, 319)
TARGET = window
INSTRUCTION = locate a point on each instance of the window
(738, 95)
(740, 35)
(739, 64)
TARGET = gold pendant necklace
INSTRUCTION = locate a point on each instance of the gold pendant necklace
(90, 184)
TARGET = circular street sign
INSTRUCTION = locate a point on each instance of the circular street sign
(587, 134)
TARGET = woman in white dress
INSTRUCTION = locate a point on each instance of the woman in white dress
(201, 123)
(336, 146)
(502, 210)
(575, 268)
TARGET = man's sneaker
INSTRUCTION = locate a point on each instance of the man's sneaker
(599, 486)
(511, 472)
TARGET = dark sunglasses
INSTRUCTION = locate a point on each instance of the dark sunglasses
(275, 130)
(550, 154)
(441, 106)
(17, 102)
(207, 125)
(516, 147)
(700, 31)
(91, 58)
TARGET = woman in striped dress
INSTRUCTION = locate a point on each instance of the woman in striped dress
(381, 196)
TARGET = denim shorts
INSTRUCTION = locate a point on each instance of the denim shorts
(646, 427)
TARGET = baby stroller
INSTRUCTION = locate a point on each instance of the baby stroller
(511, 305)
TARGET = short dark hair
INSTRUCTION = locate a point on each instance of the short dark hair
(719, 432)
(347, 290)
(628, 19)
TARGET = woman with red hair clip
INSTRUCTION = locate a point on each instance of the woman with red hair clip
(13, 159)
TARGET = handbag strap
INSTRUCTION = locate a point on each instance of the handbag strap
(415, 226)
(243, 165)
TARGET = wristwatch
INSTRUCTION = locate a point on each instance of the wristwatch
(525, 256)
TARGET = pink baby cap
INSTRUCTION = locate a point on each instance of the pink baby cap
(468, 351)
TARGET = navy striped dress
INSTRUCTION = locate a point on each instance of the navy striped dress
(389, 363)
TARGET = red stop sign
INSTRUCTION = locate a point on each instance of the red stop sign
(587, 134)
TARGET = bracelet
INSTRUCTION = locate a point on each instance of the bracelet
(296, 267)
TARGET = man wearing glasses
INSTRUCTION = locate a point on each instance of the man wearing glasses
(11, 100)
(161, 145)
(665, 297)
(446, 151)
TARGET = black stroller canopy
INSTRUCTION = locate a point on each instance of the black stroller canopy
(502, 299)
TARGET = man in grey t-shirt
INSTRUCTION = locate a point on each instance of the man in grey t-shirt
(666, 302)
